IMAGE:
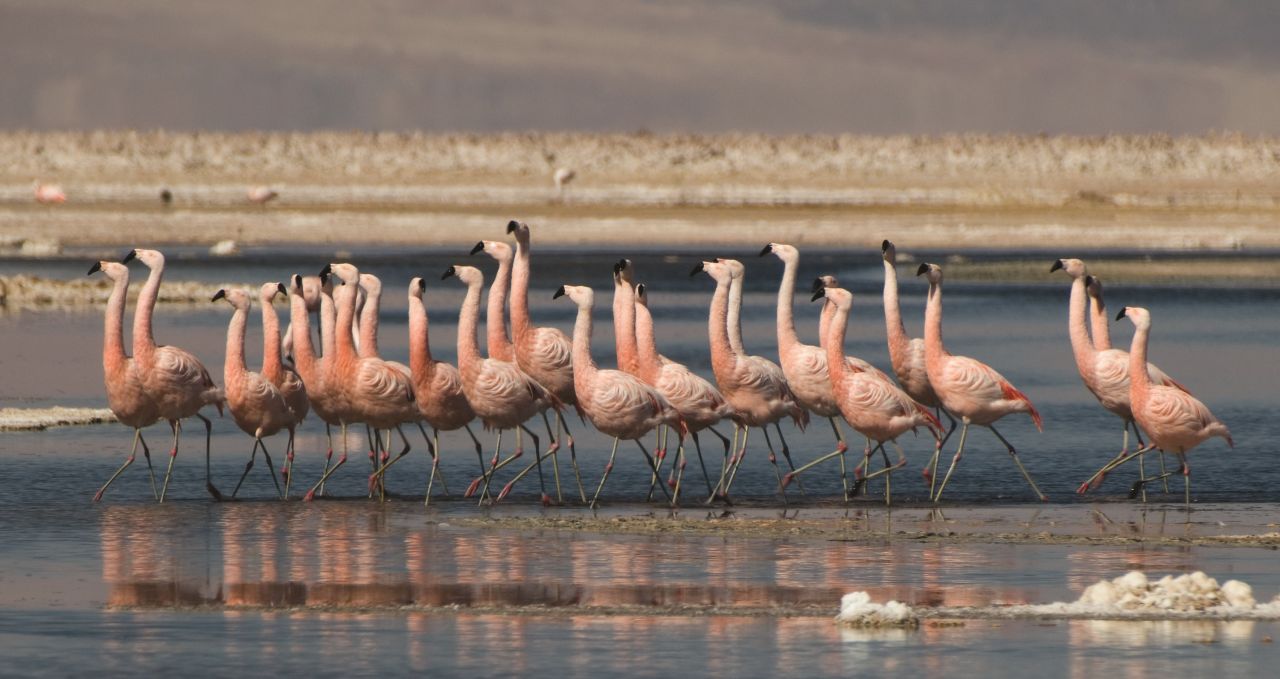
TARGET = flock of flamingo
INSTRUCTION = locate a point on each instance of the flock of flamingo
(539, 372)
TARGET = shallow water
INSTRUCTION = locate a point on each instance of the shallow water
(128, 585)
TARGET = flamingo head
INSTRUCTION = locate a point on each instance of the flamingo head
(717, 270)
(888, 252)
(931, 272)
(736, 269)
(268, 292)
(843, 299)
(581, 295)
(152, 259)
(236, 297)
(113, 270)
(786, 253)
(495, 249)
(1075, 268)
(624, 271)
(642, 295)
(520, 229)
(371, 284)
(1141, 317)
(348, 274)
(417, 287)
(469, 275)
(311, 289)
(1093, 285)
(826, 281)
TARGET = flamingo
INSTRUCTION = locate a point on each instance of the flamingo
(561, 178)
(325, 399)
(907, 357)
(261, 194)
(618, 404)
(177, 381)
(286, 380)
(502, 395)
(257, 406)
(367, 347)
(804, 365)
(48, 194)
(698, 402)
(1174, 420)
(970, 389)
(126, 393)
(1105, 371)
(312, 290)
(755, 388)
(544, 353)
(869, 402)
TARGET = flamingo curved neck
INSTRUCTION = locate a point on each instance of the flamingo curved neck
(897, 332)
(733, 316)
(420, 361)
(520, 289)
(113, 327)
(1099, 323)
(624, 328)
(369, 323)
(235, 368)
(304, 356)
(584, 367)
(343, 346)
(787, 338)
(468, 320)
(646, 345)
(271, 366)
(328, 324)
(723, 356)
(934, 349)
(834, 347)
(1080, 345)
(144, 342)
(1139, 379)
(496, 314)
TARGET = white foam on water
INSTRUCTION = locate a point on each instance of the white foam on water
(857, 610)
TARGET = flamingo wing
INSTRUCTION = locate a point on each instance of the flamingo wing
(982, 383)
(552, 348)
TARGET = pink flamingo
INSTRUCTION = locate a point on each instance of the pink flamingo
(870, 403)
(126, 393)
(907, 356)
(325, 399)
(497, 338)
(261, 195)
(542, 352)
(257, 406)
(1174, 420)
(502, 395)
(371, 287)
(312, 290)
(48, 193)
(286, 380)
(177, 381)
(755, 388)
(617, 403)
(1105, 371)
(970, 389)
(698, 402)
(804, 365)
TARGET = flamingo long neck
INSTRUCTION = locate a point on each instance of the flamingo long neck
(328, 324)
(933, 348)
(584, 368)
(344, 349)
(836, 329)
(624, 327)
(421, 364)
(271, 367)
(824, 323)
(304, 355)
(733, 317)
(898, 339)
(1099, 323)
(787, 338)
(520, 289)
(113, 355)
(1080, 346)
(369, 323)
(496, 316)
(646, 345)
(723, 356)
(1139, 379)
(144, 342)
(234, 369)
(468, 319)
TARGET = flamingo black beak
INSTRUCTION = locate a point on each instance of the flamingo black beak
(619, 266)
(923, 268)
(449, 272)
(97, 266)
(280, 287)
(818, 294)
(767, 249)
(422, 284)
(1122, 313)
(129, 257)
(328, 269)
(297, 281)
(818, 285)
(479, 246)
(697, 269)
(640, 289)
(885, 245)
(512, 226)
(1057, 264)
(218, 295)
(559, 293)
(1089, 280)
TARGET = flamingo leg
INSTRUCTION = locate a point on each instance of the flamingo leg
(1138, 433)
(173, 454)
(311, 494)
(506, 490)
(964, 432)
(841, 448)
(137, 433)
(1014, 454)
(287, 471)
(248, 465)
(537, 459)
(271, 468)
(208, 443)
(729, 451)
(652, 465)
(432, 450)
(328, 434)
(554, 447)
(786, 453)
(658, 449)
(607, 468)
(479, 457)
(573, 453)
(495, 465)
(773, 460)
(931, 470)
(1182, 469)
(680, 464)
(146, 454)
(742, 453)
(1090, 484)
(387, 460)
(697, 445)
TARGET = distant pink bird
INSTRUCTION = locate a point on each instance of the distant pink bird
(1105, 371)
(697, 400)
(907, 356)
(502, 395)
(1175, 421)
(544, 353)
(755, 388)
(971, 390)
(261, 194)
(285, 379)
(617, 403)
(257, 406)
(175, 380)
(48, 193)
(126, 392)
(870, 402)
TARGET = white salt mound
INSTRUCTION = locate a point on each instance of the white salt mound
(857, 609)
(224, 248)
(1133, 592)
